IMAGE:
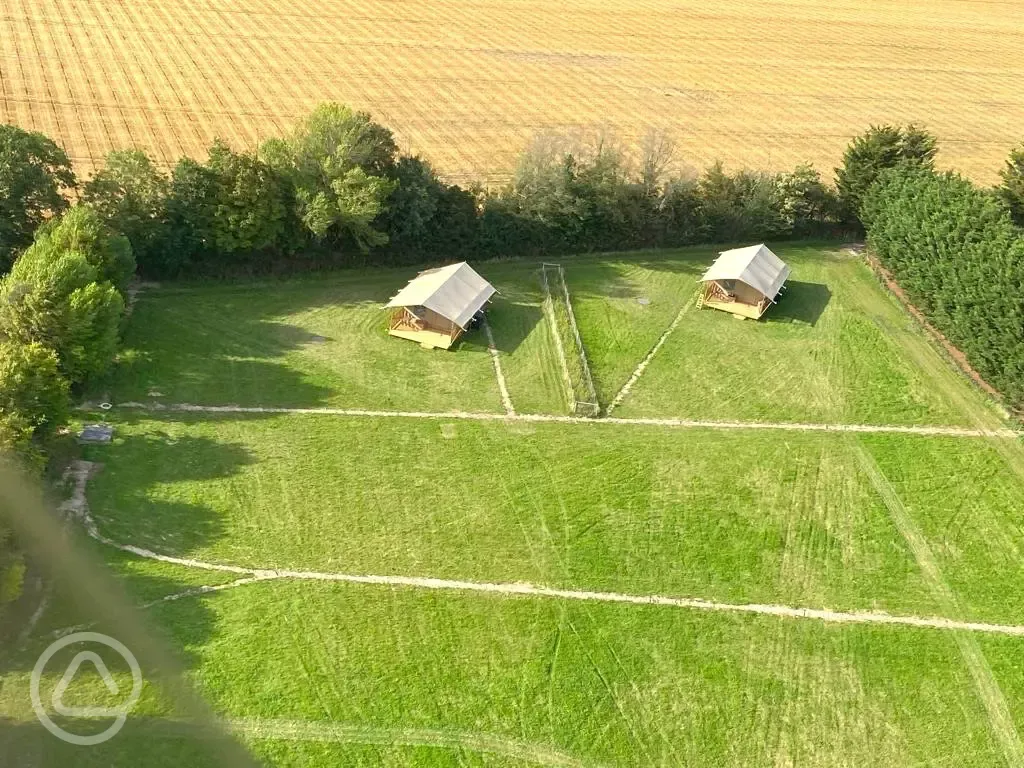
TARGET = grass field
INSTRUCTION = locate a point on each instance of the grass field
(468, 82)
(835, 349)
(505, 656)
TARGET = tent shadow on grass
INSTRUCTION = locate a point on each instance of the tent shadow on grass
(511, 322)
(800, 303)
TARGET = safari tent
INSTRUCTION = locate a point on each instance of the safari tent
(438, 304)
(744, 281)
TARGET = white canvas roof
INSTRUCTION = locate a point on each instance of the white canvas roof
(754, 265)
(455, 292)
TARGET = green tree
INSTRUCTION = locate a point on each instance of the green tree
(82, 231)
(33, 173)
(1012, 188)
(188, 235)
(32, 388)
(130, 195)
(743, 206)
(876, 150)
(808, 206)
(339, 163)
(250, 202)
(56, 297)
(412, 207)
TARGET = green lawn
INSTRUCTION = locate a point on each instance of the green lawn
(322, 674)
(294, 344)
(554, 681)
(835, 349)
(737, 516)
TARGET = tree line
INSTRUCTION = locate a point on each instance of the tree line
(957, 250)
(336, 191)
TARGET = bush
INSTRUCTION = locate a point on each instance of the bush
(1012, 188)
(81, 231)
(33, 172)
(32, 389)
(251, 203)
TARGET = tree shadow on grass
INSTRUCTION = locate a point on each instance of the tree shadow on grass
(800, 303)
(121, 493)
(120, 497)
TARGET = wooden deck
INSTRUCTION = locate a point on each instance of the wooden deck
(406, 325)
(736, 307)
(429, 339)
(714, 296)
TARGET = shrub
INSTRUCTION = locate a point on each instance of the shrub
(82, 231)
(32, 388)
(56, 296)
(251, 202)
(1012, 188)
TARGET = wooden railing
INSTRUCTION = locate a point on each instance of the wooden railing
(405, 321)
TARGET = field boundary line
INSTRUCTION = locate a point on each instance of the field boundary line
(80, 472)
(639, 370)
(986, 685)
(543, 418)
(506, 399)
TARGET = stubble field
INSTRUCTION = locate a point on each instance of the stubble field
(467, 83)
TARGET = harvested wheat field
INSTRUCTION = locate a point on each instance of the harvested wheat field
(468, 82)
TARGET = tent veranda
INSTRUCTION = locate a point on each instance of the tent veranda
(744, 281)
(437, 305)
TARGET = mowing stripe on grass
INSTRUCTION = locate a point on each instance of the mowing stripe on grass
(985, 682)
(635, 376)
(555, 419)
(506, 400)
(81, 470)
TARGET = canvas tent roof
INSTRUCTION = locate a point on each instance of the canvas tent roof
(456, 292)
(754, 265)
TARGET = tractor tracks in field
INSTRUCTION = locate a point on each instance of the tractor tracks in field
(499, 374)
(342, 733)
(80, 472)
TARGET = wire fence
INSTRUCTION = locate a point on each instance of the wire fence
(580, 390)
